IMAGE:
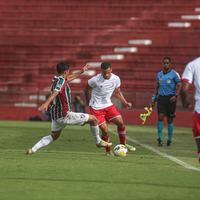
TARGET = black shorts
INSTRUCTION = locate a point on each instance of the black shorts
(166, 107)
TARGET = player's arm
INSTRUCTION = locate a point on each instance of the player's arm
(184, 94)
(121, 97)
(155, 95)
(178, 88)
(75, 75)
(88, 91)
(45, 105)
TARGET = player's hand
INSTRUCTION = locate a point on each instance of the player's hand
(153, 98)
(128, 105)
(43, 107)
(85, 68)
(173, 99)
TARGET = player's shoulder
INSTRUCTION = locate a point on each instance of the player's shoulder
(94, 79)
(174, 71)
(60, 79)
(114, 76)
(159, 72)
(194, 63)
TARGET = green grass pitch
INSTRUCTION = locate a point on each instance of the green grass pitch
(73, 168)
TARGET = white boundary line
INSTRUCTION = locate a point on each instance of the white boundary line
(162, 154)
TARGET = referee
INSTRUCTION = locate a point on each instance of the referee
(168, 84)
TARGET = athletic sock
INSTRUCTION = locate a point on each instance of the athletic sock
(170, 131)
(160, 129)
(122, 135)
(107, 139)
(95, 132)
(42, 143)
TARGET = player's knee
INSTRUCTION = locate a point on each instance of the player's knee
(160, 117)
(93, 120)
(170, 120)
(55, 135)
(120, 127)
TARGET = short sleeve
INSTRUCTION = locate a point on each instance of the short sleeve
(188, 73)
(177, 77)
(118, 82)
(92, 82)
(59, 84)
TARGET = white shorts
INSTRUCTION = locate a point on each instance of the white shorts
(72, 118)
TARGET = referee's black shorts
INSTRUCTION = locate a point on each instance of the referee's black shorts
(166, 107)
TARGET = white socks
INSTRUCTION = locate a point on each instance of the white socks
(42, 143)
(48, 139)
(95, 132)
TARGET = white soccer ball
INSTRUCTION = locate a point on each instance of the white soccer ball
(120, 150)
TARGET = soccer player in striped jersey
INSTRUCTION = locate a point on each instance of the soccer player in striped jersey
(59, 104)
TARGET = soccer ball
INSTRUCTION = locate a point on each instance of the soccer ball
(120, 150)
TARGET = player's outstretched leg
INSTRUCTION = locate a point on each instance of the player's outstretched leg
(43, 142)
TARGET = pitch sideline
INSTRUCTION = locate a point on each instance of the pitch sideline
(162, 154)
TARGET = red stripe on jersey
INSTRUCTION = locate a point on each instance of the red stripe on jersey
(63, 98)
(185, 80)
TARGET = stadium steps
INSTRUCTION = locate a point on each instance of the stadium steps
(35, 37)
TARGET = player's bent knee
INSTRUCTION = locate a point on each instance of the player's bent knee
(93, 120)
(120, 126)
(55, 135)
(170, 120)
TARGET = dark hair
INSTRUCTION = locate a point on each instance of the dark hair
(62, 66)
(167, 58)
(105, 65)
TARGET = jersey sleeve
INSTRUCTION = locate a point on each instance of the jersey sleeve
(59, 84)
(92, 82)
(177, 77)
(118, 82)
(188, 74)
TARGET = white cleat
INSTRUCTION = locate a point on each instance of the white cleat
(130, 148)
(29, 152)
(103, 143)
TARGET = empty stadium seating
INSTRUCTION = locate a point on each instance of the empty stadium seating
(35, 35)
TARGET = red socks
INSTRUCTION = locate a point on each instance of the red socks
(122, 135)
(106, 138)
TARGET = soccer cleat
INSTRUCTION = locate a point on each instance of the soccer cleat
(103, 143)
(29, 152)
(160, 144)
(130, 148)
(169, 143)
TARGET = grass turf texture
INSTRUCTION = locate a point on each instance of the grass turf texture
(73, 168)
